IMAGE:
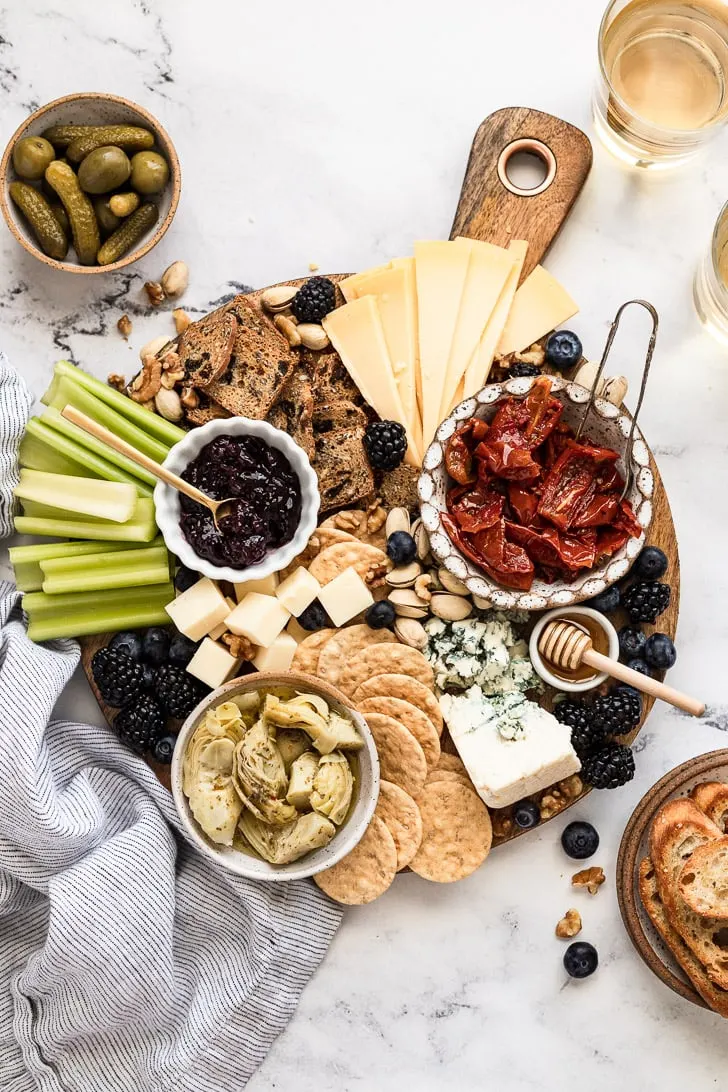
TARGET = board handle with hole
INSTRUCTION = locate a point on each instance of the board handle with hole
(495, 210)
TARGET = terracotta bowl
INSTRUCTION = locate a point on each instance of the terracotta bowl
(347, 836)
(91, 108)
(608, 426)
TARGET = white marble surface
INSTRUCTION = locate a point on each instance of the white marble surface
(338, 134)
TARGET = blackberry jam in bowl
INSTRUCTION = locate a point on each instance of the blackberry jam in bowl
(276, 500)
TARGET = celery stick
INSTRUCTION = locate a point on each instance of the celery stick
(37, 455)
(62, 442)
(102, 581)
(142, 527)
(47, 511)
(155, 426)
(102, 616)
(114, 501)
(69, 393)
(105, 561)
(40, 604)
(26, 559)
(52, 419)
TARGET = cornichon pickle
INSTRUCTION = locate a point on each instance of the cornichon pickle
(124, 204)
(108, 221)
(61, 216)
(50, 235)
(61, 136)
(84, 228)
(130, 137)
(128, 234)
(31, 156)
(103, 169)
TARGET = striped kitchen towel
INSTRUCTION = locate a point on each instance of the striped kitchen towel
(128, 962)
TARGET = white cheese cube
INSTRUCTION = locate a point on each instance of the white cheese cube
(199, 609)
(212, 664)
(504, 770)
(298, 591)
(297, 632)
(218, 631)
(278, 656)
(258, 617)
(345, 596)
(266, 586)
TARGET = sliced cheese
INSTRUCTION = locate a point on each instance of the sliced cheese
(487, 274)
(350, 285)
(356, 332)
(407, 265)
(540, 304)
(478, 370)
(441, 268)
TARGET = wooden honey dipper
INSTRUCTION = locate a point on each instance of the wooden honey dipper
(566, 646)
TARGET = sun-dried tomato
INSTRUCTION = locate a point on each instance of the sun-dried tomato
(459, 450)
(475, 508)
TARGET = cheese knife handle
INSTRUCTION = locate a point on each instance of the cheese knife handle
(643, 682)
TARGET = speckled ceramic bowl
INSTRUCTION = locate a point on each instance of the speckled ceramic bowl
(348, 835)
(91, 108)
(608, 426)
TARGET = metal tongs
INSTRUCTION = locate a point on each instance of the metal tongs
(645, 373)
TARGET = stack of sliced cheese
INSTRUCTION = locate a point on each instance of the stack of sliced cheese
(420, 334)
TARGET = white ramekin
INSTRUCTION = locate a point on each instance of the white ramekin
(544, 671)
(167, 503)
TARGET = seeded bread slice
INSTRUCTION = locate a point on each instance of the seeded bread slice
(207, 410)
(205, 348)
(703, 881)
(712, 799)
(693, 968)
(344, 474)
(678, 829)
(331, 381)
(293, 412)
(329, 416)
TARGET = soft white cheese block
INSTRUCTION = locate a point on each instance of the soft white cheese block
(278, 656)
(298, 591)
(218, 631)
(258, 617)
(345, 596)
(212, 664)
(266, 585)
(199, 609)
(503, 769)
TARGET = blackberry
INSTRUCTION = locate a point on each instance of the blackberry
(314, 300)
(178, 692)
(610, 767)
(587, 732)
(618, 712)
(521, 371)
(385, 443)
(140, 723)
(117, 676)
(646, 600)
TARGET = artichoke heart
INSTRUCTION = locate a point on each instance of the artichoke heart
(281, 845)
(217, 755)
(216, 807)
(259, 776)
(328, 730)
(292, 743)
(208, 731)
(300, 782)
(333, 786)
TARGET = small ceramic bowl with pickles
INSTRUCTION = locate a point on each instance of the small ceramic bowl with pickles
(89, 183)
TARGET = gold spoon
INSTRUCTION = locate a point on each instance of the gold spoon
(566, 647)
(220, 509)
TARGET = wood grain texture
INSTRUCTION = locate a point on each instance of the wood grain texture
(489, 212)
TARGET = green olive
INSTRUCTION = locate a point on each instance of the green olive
(31, 156)
(108, 222)
(149, 172)
(104, 169)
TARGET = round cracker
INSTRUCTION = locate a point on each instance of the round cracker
(319, 540)
(401, 759)
(452, 762)
(378, 659)
(334, 560)
(305, 658)
(366, 872)
(403, 820)
(451, 776)
(406, 688)
(360, 530)
(414, 721)
(344, 644)
(456, 832)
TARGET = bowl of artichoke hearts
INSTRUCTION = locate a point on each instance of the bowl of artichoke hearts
(275, 776)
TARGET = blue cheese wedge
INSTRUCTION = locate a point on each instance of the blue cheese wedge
(487, 653)
(511, 746)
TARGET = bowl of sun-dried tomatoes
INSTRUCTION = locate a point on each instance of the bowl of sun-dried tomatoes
(523, 512)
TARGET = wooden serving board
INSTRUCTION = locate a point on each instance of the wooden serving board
(489, 211)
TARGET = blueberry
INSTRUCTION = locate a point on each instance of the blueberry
(563, 350)
(149, 677)
(181, 650)
(129, 643)
(628, 688)
(401, 548)
(184, 578)
(631, 642)
(314, 617)
(638, 664)
(607, 601)
(164, 749)
(660, 652)
(581, 959)
(155, 646)
(651, 564)
(526, 814)
(580, 840)
(380, 615)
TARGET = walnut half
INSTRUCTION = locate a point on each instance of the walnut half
(147, 384)
(590, 878)
(569, 925)
(240, 647)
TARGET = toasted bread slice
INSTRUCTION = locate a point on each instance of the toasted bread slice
(206, 410)
(653, 904)
(398, 487)
(677, 830)
(331, 381)
(712, 798)
(293, 411)
(344, 474)
(261, 363)
(703, 881)
(205, 348)
(328, 416)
